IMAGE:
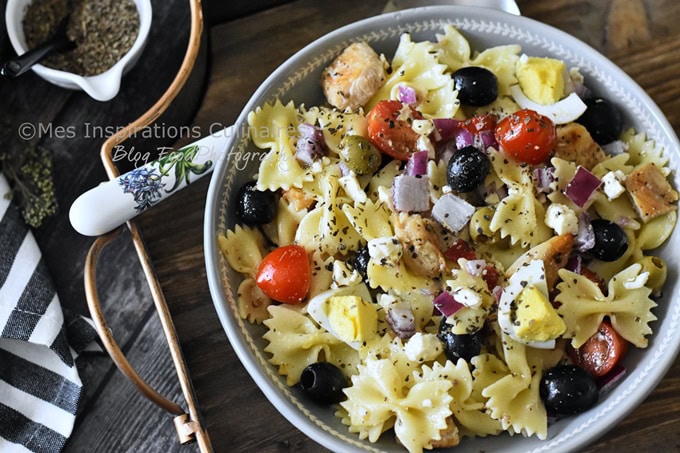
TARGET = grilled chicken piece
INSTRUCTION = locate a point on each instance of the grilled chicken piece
(651, 192)
(575, 144)
(298, 198)
(353, 77)
(421, 253)
(554, 252)
(449, 436)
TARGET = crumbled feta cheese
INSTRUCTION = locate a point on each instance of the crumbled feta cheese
(637, 282)
(425, 144)
(387, 300)
(561, 219)
(612, 186)
(427, 402)
(423, 347)
(385, 250)
(343, 275)
(352, 188)
(466, 296)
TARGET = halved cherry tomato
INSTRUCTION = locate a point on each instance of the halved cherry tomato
(527, 136)
(460, 249)
(480, 123)
(284, 274)
(391, 134)
(601, 352)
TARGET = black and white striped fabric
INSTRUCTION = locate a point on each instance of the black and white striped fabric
(39, 383)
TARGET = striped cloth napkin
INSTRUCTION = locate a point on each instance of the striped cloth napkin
(39, 384)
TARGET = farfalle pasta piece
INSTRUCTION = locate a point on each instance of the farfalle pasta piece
(370, 219)
(415, 64)
(273, 127)
(468, 411)
(514, 399)
(642, 150)
(397, 278)
(295, 342)
(614, 163)
(469, 319)
(519, 215)
(627, 305)
(336, 125)
(655, 232)
(419, 405)
(383, 178)
(454, 49)
(252, 302)
(326, 227)
(281, 231)
(243, 247)
(501, 60)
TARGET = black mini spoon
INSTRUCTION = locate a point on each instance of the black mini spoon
(59, 43)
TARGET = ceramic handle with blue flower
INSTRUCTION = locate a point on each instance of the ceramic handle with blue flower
(134, 192)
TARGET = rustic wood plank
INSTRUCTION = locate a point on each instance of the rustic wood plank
(119, 416)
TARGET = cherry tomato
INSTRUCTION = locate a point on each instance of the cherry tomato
(480, 123)
(460, 249)
(392, 135)
(284, 274)
(601, 352)
(527, 136)
(490, 275)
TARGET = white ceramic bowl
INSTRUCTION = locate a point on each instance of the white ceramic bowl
(102, 87)
(298, 80)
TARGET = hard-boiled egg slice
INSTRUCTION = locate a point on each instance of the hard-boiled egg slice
(561, 112)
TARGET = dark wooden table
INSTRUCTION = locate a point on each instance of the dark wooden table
(640, 36)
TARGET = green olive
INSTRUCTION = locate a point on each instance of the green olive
(480, 225)
(657, 272)
(360, 155)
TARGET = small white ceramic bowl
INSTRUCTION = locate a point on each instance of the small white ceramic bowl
(298, 80)
(102, 87)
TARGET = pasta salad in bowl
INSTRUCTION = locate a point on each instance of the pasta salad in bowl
(444, 228)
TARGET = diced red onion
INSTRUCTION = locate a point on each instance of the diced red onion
(310, 145)
(446, 127)
(615, 148)
(445, 151)
(609, 380)
(417, 164)
(542, 178)
(344, 171)
(452, 212)
(497, 292)
(408, 95)
(488, 139)
(585, 237)
(402, 321)
(463, 138)
(411, 193)
(475, 267)
(446, 304)
(581, 187)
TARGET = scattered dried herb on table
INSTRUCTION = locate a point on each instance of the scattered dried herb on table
(104, 31)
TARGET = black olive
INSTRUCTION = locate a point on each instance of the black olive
(603, 120)
(476, 85)
(255, 207)
(459, 346)
(360, 262)
(323, 382)
(467, 169)
(568, 389)
(610, 240)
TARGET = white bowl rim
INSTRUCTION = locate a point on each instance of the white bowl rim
(90, 84)
(581, 437)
